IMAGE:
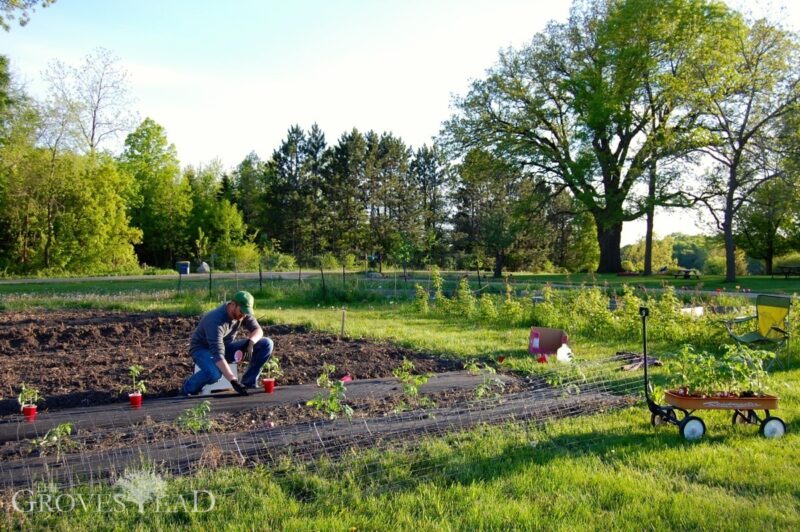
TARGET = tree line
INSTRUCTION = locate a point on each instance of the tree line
(627, 106)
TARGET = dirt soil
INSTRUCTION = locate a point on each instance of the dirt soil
(149, 431)
(81, 357)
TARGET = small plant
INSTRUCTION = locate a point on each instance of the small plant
(465, 302)
(332, 404)
(28, 396)
(491, 386)
(411, 384)
(57, 438)
(196, 419)
(421, 299)
(135, 372)
(272, 369)
(739, 370)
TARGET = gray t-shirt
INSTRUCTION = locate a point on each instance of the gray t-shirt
(216, 329)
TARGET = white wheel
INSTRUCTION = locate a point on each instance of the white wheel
(773, 427)
(692, 428)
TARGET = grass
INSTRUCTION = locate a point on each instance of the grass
(606, 471)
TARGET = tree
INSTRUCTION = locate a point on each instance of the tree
(760, 226)
(18, 10)
(95, 97)
(661, 253)
(485, 197)
(590, 109)
(744, 106)
(161, 202)
(346, 213)
(429, 175)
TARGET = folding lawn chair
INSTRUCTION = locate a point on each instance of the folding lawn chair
(772, 318)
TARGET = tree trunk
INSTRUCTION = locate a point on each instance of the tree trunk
(609, 237)
(727, 228)
(768, 262)
(498, 265)
(648, 238)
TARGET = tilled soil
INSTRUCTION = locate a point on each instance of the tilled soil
(149, 431)
(81, 357)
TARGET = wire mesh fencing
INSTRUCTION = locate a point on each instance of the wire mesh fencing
(388, 441)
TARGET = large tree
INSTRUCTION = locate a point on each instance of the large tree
(93, 97)
(591, 104)
(161, 202)
(745, 105)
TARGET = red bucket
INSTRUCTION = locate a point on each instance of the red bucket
(29, 411)
(136, 399)
(269, 385)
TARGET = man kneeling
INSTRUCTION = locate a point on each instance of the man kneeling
(212, 345)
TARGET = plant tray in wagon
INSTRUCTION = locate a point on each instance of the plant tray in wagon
(689, 402)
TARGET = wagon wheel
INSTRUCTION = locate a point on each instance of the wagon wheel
(772, 428)
(739, 418)
(692, 428)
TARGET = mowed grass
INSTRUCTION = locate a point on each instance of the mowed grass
(608, 470)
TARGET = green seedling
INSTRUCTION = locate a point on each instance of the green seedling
(411, 384)
(196, 419)
(272, 369)
(57, 438)
(28, 395)
(331, 404)
(135, 372)
(491, 386)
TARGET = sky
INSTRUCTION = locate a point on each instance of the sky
(229, 77)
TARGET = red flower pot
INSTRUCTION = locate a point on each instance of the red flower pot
(136, 399)
(29, 411)
(269, 385)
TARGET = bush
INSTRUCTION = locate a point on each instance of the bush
(328, 261)
(628, 266)
(790, 259)
(278, 262)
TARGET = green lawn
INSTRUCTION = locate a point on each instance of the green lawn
(605, 471)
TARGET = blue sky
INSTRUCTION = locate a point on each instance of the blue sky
(228, 77)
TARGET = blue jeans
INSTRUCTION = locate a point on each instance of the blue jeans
(209, 372)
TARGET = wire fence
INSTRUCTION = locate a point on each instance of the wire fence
(386, 446)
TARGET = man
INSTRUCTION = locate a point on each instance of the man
(213, 345)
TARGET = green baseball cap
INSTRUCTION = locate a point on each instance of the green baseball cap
(245, 301)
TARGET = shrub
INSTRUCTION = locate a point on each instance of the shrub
(486, 308)
(791, 259)
(329, 262)
(465, 302)
(421, 299)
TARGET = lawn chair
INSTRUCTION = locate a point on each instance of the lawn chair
(772, 317)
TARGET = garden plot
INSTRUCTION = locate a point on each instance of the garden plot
(81, 358)
(105, 439)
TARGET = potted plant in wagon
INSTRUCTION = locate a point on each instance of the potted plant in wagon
(28, 397)
(139, 386)
(272, 370)
(735, 380)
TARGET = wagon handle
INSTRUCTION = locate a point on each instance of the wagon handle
(644, 312)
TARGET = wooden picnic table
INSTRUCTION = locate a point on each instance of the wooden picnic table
(787, 271)
(687, 273)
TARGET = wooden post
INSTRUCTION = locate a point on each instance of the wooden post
(260, 279)
(344, 317)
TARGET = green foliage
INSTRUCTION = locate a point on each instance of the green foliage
(737, 370)
(57, 438)
(633, 255)
(486, 308)
(464, 302)
(272, 368)
(421, 299)
(411, 384)
(491, 385)
(28, 395)
(135, 372)
(511, 310)
(328, 261)
(333, 403)
(790, 259)
(196, 419)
